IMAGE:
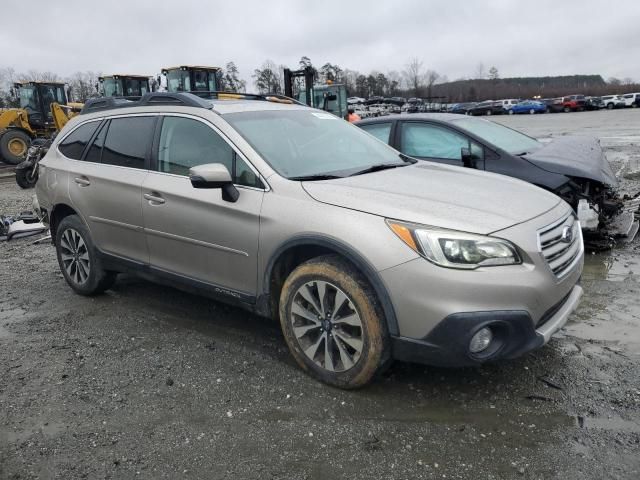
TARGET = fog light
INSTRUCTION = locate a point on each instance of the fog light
(481, 340)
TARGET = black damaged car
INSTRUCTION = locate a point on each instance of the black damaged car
(573, 167)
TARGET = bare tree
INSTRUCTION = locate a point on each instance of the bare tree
(493, 73)
(268, 78)
(413, 75)
(82, 85)
(480, 71)
(431, 78)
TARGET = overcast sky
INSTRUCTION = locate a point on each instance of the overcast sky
(519, 37)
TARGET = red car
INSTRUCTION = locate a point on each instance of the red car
(573, 103)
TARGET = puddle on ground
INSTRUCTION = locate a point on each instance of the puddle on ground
(608, 267)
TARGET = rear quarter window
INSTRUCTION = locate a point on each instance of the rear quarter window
(74, 144)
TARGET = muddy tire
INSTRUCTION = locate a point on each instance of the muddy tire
(333, 323)
(79, 260)
(26, 177)
(14, 145)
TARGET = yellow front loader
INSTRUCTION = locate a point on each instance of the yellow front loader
(43, 111)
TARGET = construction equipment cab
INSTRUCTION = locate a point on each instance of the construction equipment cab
(41, 112)
(127, 86)
(192, 79)
(330, 97)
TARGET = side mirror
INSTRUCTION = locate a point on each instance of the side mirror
(214, 175)
(468, 159)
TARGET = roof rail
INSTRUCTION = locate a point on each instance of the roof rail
(156, 98)
(268, 97)
(186, 99)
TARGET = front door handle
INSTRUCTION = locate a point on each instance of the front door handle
(82, 181)
(154, 198)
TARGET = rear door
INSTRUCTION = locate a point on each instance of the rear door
(194, 233)
(429, 141)
(105, 185)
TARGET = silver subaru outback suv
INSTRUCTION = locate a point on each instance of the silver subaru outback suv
(363, 254)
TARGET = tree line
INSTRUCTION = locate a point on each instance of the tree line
(414, 80)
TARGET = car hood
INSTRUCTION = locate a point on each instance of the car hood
(439, 195)
(575, 156)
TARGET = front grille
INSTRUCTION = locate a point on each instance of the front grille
(560, 248)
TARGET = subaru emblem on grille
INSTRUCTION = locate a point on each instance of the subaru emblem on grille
(567, 234)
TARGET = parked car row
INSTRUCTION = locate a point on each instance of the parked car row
(570, 103)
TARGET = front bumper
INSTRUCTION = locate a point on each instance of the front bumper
(515, 334)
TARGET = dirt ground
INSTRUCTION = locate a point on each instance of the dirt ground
(149, 382)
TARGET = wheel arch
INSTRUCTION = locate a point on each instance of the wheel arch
(59, 212)
(298, 250)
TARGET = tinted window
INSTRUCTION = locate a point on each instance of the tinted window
(94, 153)
(73, 145)
(379, 130)
(127, 141)
(186, 143)
(424, 140)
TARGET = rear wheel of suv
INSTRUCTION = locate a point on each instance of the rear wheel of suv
(567, 109)
(79, 260)
(333, 323)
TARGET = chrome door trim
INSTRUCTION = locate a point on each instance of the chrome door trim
(193, 241)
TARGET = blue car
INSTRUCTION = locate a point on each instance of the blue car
(528, 106)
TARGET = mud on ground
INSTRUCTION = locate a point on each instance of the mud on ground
(149, 382)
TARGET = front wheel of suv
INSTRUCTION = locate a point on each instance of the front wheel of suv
(333, 323)
(79, 260)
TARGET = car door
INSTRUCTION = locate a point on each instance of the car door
(437, 143)
(195, 233)
(105, 185)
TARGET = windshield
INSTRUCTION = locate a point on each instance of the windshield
(29, 98)
(302, 143)
(112, 87)
(178, 81)
(502, 137)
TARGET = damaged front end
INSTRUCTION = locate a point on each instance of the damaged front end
(592, 190)
(604, 214)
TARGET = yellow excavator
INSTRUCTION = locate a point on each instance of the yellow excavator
(43, 110)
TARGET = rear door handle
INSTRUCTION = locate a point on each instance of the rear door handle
(154, 198)
(82, 181)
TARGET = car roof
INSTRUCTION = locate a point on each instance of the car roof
(438, 117)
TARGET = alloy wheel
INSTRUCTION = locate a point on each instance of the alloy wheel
(327, 326)
(75, 256)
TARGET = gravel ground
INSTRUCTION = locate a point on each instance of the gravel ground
(149, 382)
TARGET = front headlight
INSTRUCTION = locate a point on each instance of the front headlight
(453, 249)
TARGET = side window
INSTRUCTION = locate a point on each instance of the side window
(424, 140)
(94, 154)
(73, 146)
(186, 143)
(127, 141)
(379, 130)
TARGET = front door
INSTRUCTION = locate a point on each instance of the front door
(433, 142)
(194, 232)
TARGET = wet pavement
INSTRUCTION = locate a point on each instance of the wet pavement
(149, 382)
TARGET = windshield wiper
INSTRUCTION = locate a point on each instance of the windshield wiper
(319, 176)
(379, 167)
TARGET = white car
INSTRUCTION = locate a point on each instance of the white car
(613, 101)
(507, 103)
(631, 99)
